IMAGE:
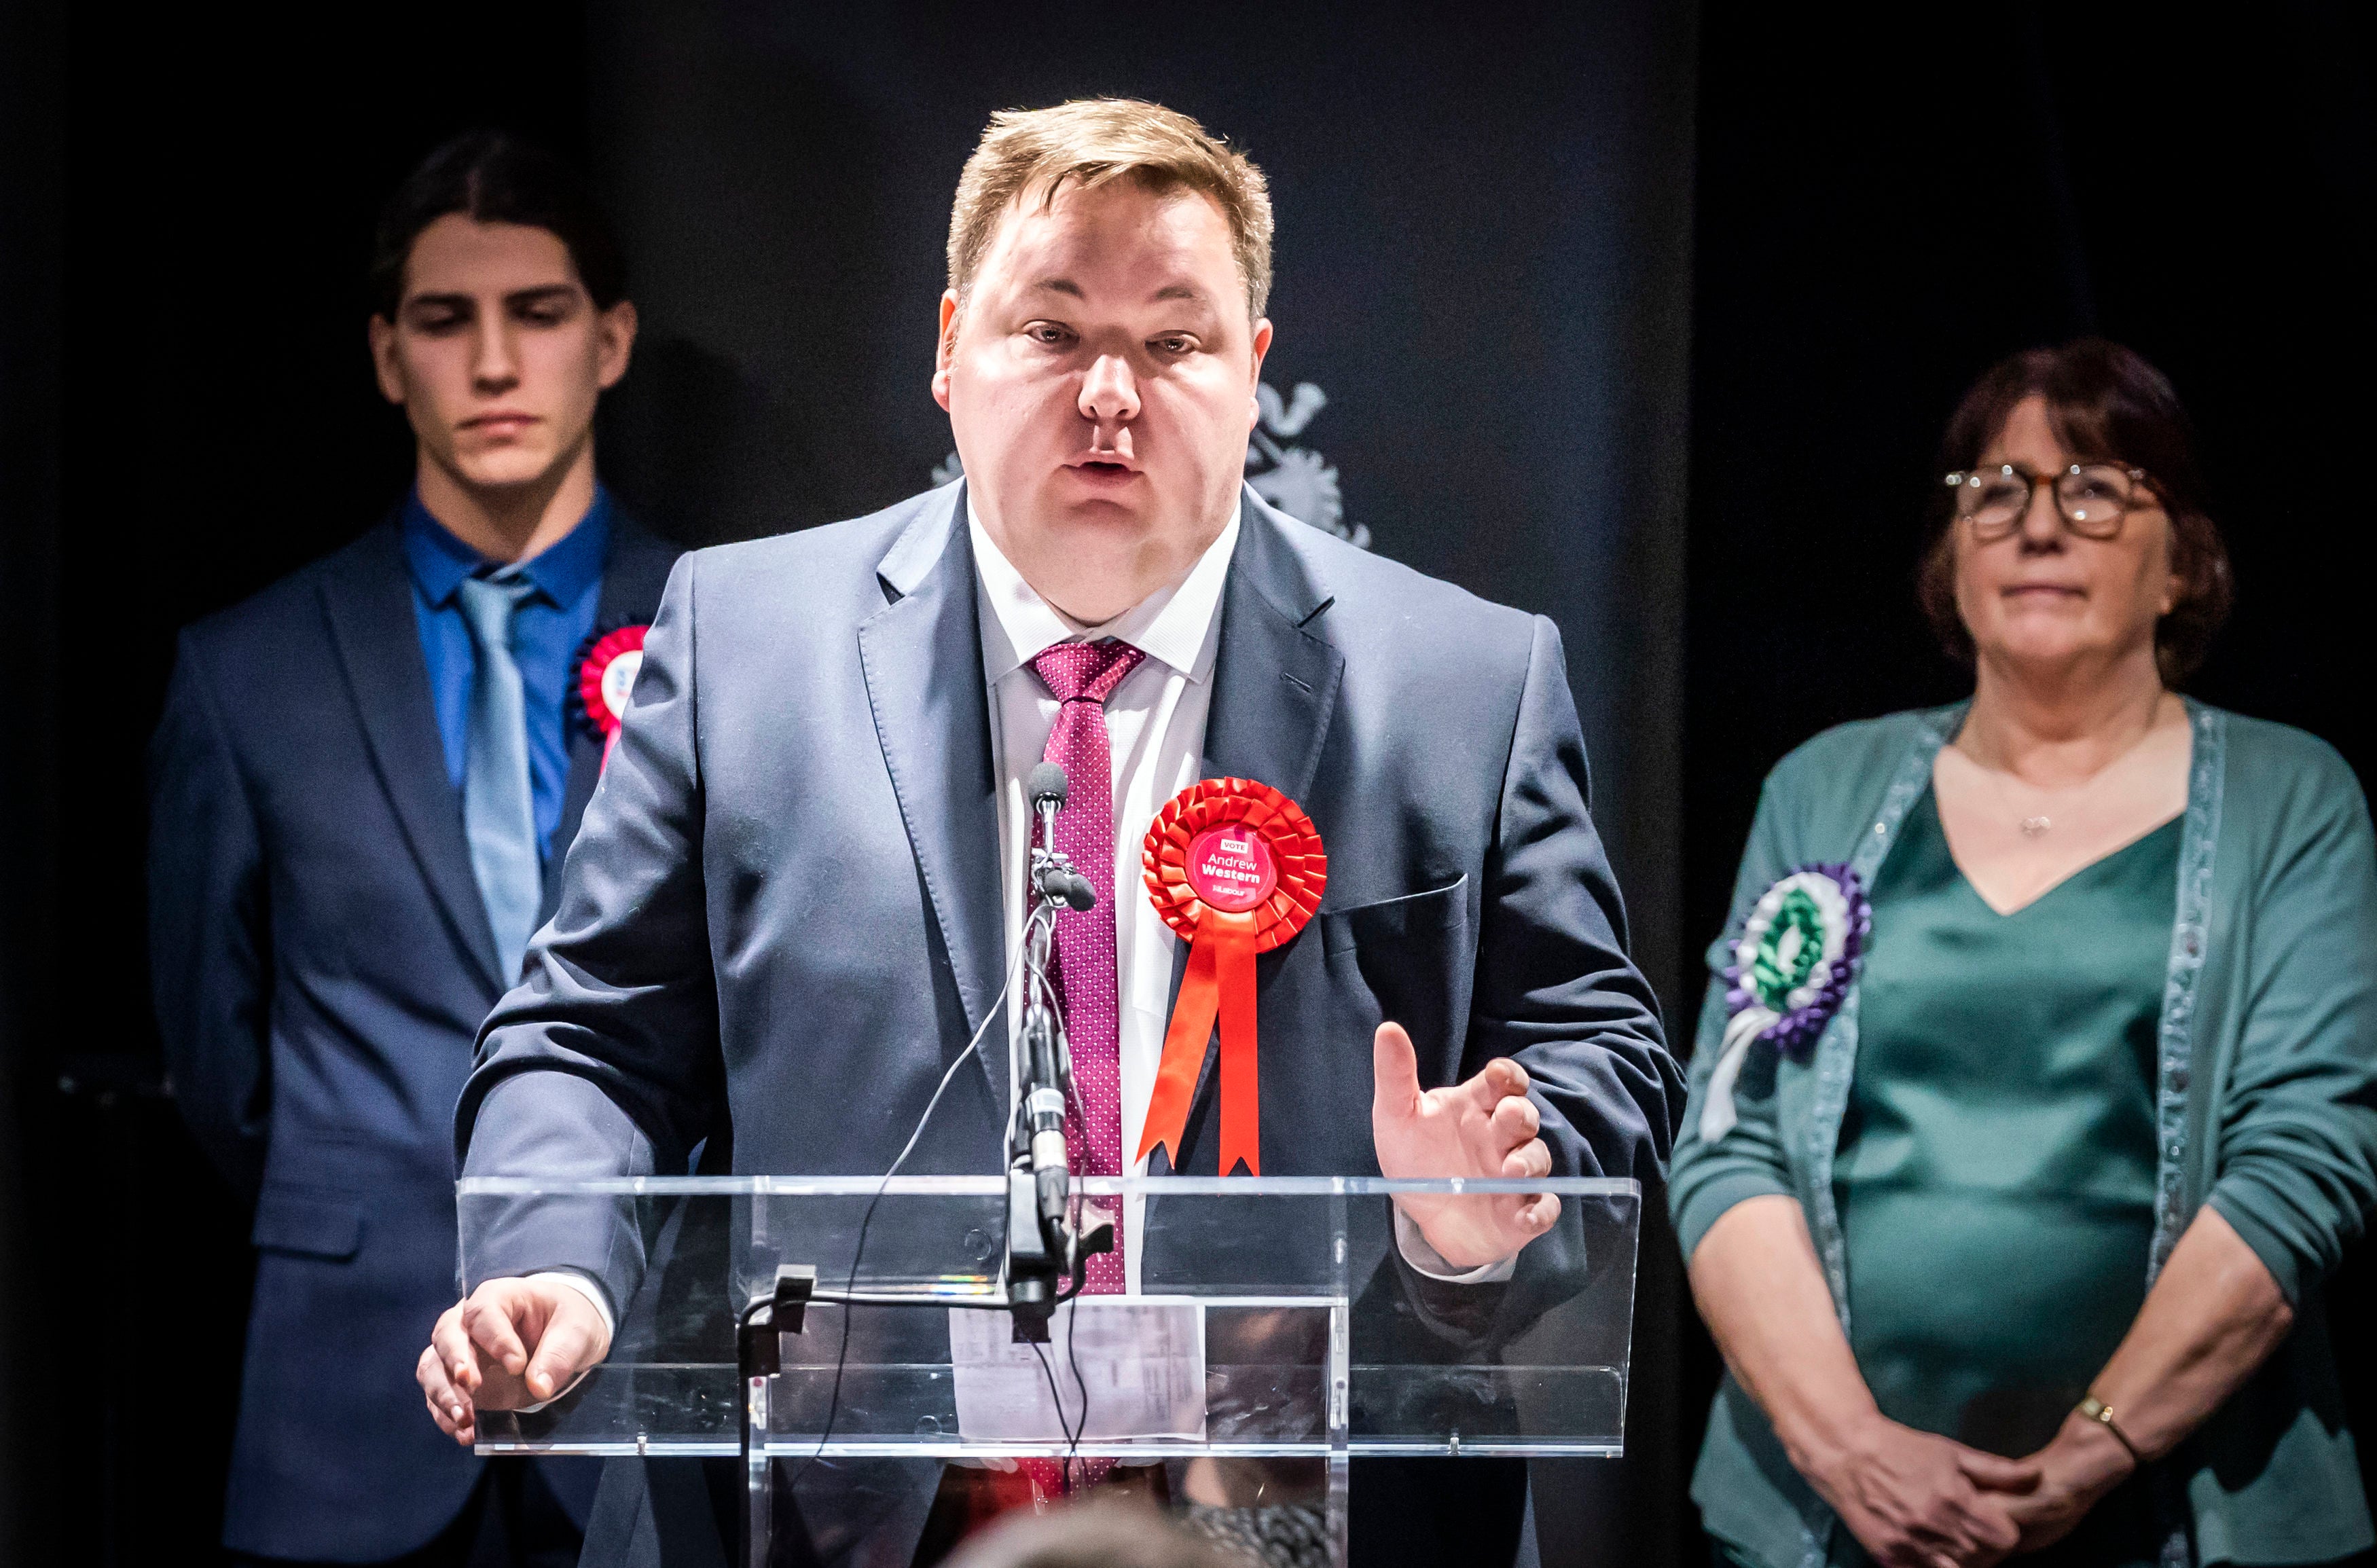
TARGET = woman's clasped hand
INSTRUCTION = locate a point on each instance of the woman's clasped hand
(1915, 1500)
(2080, 1464)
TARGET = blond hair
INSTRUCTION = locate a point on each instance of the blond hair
(1028, 152)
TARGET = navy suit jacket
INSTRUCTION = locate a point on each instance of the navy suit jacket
(322, 963)
(782, 918)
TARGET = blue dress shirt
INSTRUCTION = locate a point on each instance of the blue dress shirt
(549, 633)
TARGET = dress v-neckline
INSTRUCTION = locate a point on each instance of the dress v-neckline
(1940, 824)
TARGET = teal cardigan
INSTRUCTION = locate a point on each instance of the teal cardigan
(2266, 1109)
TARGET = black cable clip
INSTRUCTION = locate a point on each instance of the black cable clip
(784, 1310)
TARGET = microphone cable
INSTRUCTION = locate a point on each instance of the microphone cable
(949, 1076)
(1042, 911)
(1073, 1358)
(1073, 1430)
(1073, 1433)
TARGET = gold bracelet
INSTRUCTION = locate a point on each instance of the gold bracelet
(2095, 1409)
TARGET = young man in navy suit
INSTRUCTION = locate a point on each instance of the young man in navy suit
(362, 789)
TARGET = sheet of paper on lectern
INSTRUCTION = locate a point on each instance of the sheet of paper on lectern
(1142, 1362)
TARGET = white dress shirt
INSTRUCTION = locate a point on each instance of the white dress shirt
(1156, 731)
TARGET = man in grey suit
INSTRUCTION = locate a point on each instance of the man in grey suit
(805, 867)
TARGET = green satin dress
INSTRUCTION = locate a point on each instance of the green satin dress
(1996, 1166)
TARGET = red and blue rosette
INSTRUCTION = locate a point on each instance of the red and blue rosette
(606, 676)
(1237, 869)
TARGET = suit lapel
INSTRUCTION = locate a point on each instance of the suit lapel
(1274, 686)
(1274, 679)
(922, 657)
(632, 580)
(369, 606)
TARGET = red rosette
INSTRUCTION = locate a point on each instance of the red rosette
(1284, 858)
(1237, 869)
(606, 677)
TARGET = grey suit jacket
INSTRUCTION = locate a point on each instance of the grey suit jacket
(781, 915)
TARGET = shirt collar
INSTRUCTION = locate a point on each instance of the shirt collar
(562, 570)
(1179, 627)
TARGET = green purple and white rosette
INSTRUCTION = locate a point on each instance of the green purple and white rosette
(1793, 963)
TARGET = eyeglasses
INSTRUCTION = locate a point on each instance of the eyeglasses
(2093, 497)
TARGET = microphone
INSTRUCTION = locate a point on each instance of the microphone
(1045, 788)
(1039, 1171)
(1042, 1248)
(1046, 1077)
(1047, 1073)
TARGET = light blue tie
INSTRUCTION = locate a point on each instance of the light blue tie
(498, 808)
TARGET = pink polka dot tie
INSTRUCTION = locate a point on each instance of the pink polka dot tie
(1081, 676)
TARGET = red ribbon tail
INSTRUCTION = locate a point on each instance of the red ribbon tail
(1184, 1054)
(1233, 953)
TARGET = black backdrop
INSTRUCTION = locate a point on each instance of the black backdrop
(1488, 228)
(1480, 265)
(1886, 205)
(187, 413)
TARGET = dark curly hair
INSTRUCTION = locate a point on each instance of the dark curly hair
(2105, 404)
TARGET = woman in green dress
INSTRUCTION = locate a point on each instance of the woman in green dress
(2037, 1092)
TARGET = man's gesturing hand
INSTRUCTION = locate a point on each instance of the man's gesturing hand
(1486, 1126)
(513, 1343)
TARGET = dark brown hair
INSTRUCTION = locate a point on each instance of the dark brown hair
(2105, 404)
(496, 178)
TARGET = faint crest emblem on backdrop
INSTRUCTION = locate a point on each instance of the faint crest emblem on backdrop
(1296, 480)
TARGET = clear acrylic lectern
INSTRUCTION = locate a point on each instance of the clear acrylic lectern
(1276, 1328)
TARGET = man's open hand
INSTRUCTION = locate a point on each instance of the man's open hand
(513, 1343)
(1486, 1126)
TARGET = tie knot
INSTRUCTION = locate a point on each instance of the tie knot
(488, 604)
(1077, 672)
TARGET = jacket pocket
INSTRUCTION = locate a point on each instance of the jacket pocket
(1407, 959)
(310, 1225)
(1389, 920)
